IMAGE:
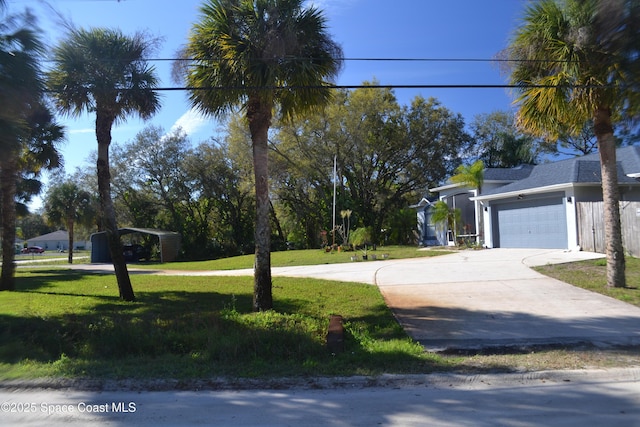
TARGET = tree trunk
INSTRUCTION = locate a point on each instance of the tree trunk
(611, 198)
(8, 172)
(70, 225)
(103, 134)
(259, 117)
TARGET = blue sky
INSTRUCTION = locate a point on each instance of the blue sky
(436, 29)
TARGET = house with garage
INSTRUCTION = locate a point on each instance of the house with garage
(459, 196)
(552, 205)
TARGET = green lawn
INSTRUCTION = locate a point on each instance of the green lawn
(297, 257)
(62, 323)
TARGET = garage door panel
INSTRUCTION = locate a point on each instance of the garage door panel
(537, 223)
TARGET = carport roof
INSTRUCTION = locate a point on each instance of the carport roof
(169, 243)
(154, 231)
(576, 171)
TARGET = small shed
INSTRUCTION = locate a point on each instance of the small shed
(168, 243)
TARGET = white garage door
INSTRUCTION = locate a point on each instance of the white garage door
(538, 223)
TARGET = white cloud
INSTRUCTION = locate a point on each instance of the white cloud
(85, 130)
(190, 122)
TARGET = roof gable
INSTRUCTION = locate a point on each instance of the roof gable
(55, 236)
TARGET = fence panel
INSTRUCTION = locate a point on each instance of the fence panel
(630, 219)
(591, 227)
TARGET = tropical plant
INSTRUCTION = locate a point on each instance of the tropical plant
(574, 61)
(66, 204)
(361, 237)
(446, 218)
(39, 153)
(470, 175)
(21, 91)
(345, 228)
(105, 72)
(259, 54)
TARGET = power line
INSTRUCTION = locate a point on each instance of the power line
(356, 59)
(360, 86)
(390, 86)
(364, 59)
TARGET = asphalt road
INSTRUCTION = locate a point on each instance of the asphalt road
(574, 398)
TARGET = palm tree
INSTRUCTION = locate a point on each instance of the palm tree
(67, 204)
(259, 54)
(577, 60)
(446, 218)
(472, 176)
(103, 71)
(20, 172)
(39, 152)
(21, 89)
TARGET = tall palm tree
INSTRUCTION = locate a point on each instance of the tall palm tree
(21, 90)
(578, 60)
(104, 71)
(67, 204)
(260, 54)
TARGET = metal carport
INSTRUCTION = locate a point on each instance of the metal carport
(168, 243)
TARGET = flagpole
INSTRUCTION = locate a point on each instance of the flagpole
(334, 199)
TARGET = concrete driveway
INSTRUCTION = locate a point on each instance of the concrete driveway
(491, 298)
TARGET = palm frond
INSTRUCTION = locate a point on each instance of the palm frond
(471, 175)
(572, 58)
(274, 50)
(103, 69)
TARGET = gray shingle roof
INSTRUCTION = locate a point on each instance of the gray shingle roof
(507, 174)
(584, 170)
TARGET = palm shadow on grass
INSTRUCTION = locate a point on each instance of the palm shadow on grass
(72, 324)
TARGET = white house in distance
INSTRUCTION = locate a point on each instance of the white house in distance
(56, 241)
(552, 205)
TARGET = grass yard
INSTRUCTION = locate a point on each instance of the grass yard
(63, 323)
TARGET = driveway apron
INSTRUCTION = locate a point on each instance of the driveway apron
(491, 298)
